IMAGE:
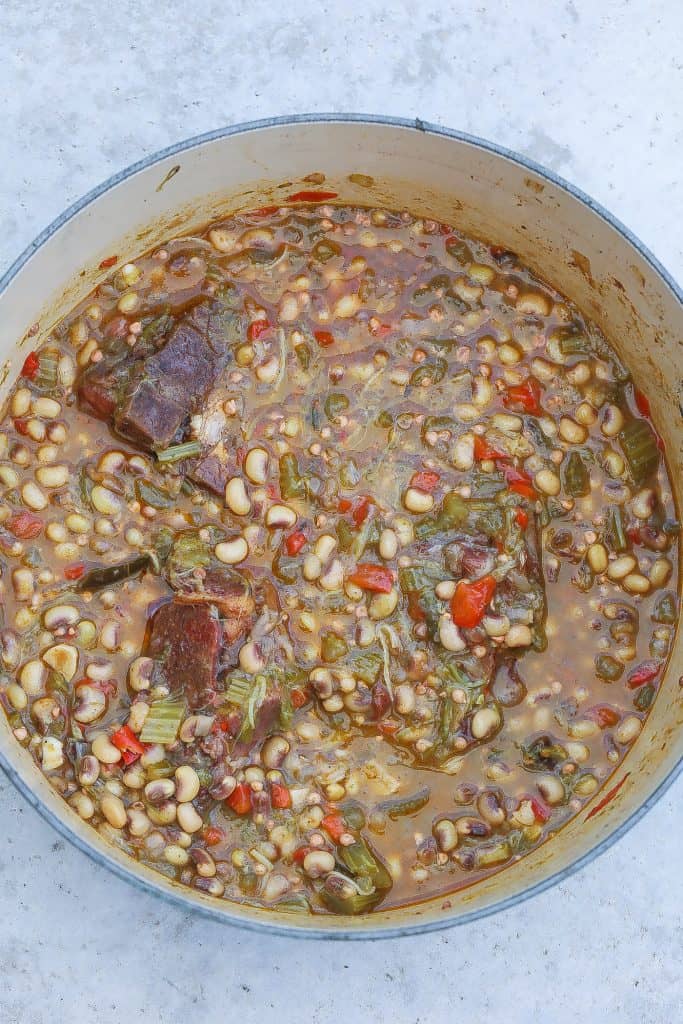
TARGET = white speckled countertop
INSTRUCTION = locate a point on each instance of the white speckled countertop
(592, 89)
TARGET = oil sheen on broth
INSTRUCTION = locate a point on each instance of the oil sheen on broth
(338, 558)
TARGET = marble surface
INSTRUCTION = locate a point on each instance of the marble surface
(592, 90)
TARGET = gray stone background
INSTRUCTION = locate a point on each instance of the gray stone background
(592, 89)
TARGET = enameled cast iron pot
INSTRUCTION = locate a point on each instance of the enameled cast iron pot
(485, 191)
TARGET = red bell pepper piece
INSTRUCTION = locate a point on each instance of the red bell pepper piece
(109, 262)
(300, 853)
(256, 328)
(24, 525)
(541, 812)
(213, 835)
(484, 450)
(642, 403)
(263, 211)
(375, 578)
(239, 800)
(644, 673)
(415, 609)
(334, 825)
(470, 600)
(360, 510)
(298, 698)
(345, 505)
(521, 518)
(125, 740)
(280, 797)
(74, 572)
(31, 366)
(425, 480)
(524, 397)
(379, 330)
(295, 542)
(324, 338)
(519, 482)
(311, 197)
(603, 715)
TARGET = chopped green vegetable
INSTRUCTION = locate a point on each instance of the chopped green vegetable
(239, 690)
(149, 494)
(255, 699)
(361, 860)
(367, 666)
(402, 807)
(332, 647)
(615, 533)
(643, 699)
(179, 451)
(292, 484)
(106, 575)
(608, 668)
(665, 609)
(639, 445)
(577, 481)
(46, 376)
(163, 721)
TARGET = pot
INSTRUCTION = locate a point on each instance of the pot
(561, 234)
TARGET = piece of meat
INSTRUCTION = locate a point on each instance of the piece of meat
(148, 394)
(225, 588)
(267, 721)
(214, 470)
(184, 638)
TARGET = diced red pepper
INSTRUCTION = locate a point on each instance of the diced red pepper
(263, 211)
(125, 740)
(375, 578)
(379, 330)
(604, 715)
(31, 366)
(21, 425)
(117, 327)
(425, 480)
(541, 812)
(221, 724)
(298, 698)
(521, 518)
(334, 825)
(360, 510)
(213, 835)
(519, 482)
(74, 572)
(25, 525)
(295, 542)
(642, 403)
(300, 853)
(280, 797)
(470, 600)
(256, 328)
(239, 800)
(524, 397)
(484, 450)
(644, 673)
(312, 197)
(109, 262)
(324, 338)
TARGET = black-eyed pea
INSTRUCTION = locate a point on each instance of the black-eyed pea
(159, 790)
(485, 722)
(82, 804)
(134, 777)
(612, 421)
(51, 753)
(188, 818)
(274, 751)
(176, 855)
(621, 567)
(636, 583)
(140, 674)
(91, 703)
(205, 865)
(660, 572)
(547, 482)
(105, 501)
(32, 677)
(186, 784)
(446, 835)
(535, 303)
(138, 714)
(163, 814)
(139, 824)
(551, 789)
(104, 750)
(17, 697)
(63, 658)
(628, 729)
(585, 785)
(318, 863)
(416, 501)
(597, 558)
(113, 809)
(383, 605)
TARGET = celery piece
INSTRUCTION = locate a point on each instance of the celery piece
(163, 721)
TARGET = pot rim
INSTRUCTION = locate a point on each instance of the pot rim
(179, 899)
